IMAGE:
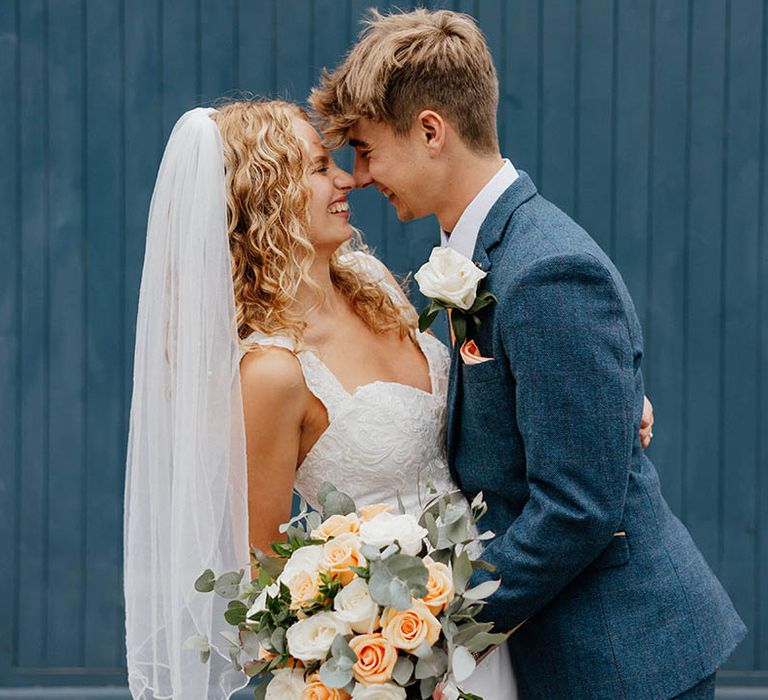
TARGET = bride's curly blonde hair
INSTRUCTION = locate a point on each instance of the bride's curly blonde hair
(268, 198)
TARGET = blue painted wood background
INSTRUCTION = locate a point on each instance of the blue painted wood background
(646, 120)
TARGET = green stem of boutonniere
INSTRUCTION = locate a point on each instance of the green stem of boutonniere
(464, 323)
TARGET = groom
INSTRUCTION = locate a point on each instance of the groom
(606, 590)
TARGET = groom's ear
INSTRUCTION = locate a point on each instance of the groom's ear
(431, 131)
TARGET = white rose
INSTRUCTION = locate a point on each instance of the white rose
(305, 560)
(380, 691)
(261, 602)
(354, 605)
(385, 528)
(286, 684)
(310, 639)
(450, 277)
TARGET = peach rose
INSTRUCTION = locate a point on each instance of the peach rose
(305, 588)
(376, 658)
(315, 690)
(406, 629)
(440, 589)
(370, 512)
(337, 525)
(339, 554)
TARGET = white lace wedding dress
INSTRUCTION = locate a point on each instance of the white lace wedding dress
(383, 439)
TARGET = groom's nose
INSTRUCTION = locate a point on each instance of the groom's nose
(360, 172)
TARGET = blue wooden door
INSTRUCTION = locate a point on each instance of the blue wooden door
(644, 119)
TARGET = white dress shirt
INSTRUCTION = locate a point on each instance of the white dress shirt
(464, 235)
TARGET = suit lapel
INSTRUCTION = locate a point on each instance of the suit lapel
(490, 235)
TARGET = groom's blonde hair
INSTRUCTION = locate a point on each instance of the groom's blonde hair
(406, 62)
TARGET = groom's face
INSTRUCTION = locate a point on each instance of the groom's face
(393, 164)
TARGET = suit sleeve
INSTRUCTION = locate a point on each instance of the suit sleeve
(565, 331)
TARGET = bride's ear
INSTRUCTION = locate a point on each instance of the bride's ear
(431, 131)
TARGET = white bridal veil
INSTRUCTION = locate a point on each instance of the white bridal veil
(185, 494)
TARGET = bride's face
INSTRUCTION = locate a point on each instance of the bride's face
(329, 210)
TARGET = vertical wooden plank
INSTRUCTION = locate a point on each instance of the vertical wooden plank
(595, 112)
(31, 574)
(740, 297)
(294, 49)
(256, 46)
(491, 17)
(102, 591)
(663, 366)
(632, 171)
(181, 64)
(701, 432)
(370, 210)
(9, 323)
(218, 49)
(519, 129)
(761, 453)
(761, 549)
(66, 454)
(142, 147)
(558, 127)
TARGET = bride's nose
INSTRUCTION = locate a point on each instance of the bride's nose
(343, 180)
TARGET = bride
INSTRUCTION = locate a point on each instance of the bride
(273, 353)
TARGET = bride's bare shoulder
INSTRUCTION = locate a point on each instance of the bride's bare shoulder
(272, 373)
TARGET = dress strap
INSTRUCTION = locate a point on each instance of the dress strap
(318, 378)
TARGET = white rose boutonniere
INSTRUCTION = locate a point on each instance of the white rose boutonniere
(450, 281)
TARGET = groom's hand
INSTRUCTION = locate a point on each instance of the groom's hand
(646, 423)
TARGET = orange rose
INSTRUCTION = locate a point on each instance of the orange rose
(376, 658)
(315, 690)
(409, 628)
(304, 589)
(440, 589)
(337, 525)
(339, 554)
(370, 512)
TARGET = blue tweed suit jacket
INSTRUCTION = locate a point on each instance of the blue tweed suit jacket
(617, 599)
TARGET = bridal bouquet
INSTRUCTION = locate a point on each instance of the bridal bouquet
(364, 603)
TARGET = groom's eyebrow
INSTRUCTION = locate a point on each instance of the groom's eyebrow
(357, 143)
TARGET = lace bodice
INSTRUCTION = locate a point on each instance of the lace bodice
(383, 439)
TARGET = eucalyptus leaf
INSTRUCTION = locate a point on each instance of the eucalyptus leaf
(403, 670)
(370, 552)
(483, 590)
(462, 663)
(337, 503)
(228, 585)
(434, 666)
(231, 637)
(254, 668)
(340, 649)
(431, 525)
(250, 643)
(486, 639)
(484, 565)
(197, 642)
(427, 687)
(236, 616)
(336, 673)
(467, 632)
(462, 571)
(322, 493)
(277, 640)
(205, 582)
(477, 501)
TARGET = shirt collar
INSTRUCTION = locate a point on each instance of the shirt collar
(464, 235)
